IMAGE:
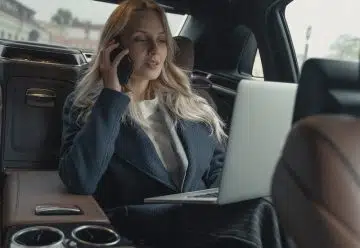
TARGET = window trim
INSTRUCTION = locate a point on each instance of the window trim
(279, 42)
(287, 34)
(284, 29)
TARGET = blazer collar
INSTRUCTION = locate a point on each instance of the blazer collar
(134, 146)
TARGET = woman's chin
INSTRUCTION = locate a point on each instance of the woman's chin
(148, 75)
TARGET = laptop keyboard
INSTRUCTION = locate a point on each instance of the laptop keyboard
(214, 194)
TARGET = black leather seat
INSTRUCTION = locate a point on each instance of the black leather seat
(33, 97)
(184, 58)
(327, 86)
(236, 56)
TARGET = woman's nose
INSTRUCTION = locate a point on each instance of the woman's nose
(153, 47)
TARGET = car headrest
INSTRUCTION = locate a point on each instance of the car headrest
(328, 87)
(233, 52)
(184, 55)
(316, 184)
(184, 58)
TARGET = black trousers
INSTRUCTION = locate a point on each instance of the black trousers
(252, 224)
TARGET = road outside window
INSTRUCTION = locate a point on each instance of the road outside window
(71, 23)
(324, 29)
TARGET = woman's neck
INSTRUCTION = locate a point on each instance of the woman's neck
(140, 90)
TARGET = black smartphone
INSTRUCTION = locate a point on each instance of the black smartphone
(125, 67)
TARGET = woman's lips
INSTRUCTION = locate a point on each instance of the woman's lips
(153, 64)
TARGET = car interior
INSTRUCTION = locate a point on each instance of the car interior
(315, 182)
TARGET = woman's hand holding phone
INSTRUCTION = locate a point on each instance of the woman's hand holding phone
(108, 68)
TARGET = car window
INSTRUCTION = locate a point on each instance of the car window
(257, 70)
(324, 29)
(61, 22)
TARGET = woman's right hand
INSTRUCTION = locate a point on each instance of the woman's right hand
(108, 69)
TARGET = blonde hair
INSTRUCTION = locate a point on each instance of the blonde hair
(172, 88)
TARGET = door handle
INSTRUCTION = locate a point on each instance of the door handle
(40, 97)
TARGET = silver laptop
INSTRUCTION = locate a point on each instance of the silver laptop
(261, 119)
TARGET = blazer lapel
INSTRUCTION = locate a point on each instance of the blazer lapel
(194, 138)
(178, 148)
(187, 134)
(136, 148)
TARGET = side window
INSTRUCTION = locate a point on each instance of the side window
(329, 29)
(257, 70)
(176, 22)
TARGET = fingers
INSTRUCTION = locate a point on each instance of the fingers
(119, 57)
(106, 54)
(101, 59)
(108, 68)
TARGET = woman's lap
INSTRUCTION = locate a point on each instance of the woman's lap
(251, 224)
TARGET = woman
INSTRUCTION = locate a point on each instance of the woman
(152, 136)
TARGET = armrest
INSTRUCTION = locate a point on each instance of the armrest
(25, 190)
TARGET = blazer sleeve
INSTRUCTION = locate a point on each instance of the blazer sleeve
(213, 174)
(87, 148)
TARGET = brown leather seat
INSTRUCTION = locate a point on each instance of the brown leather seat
(316, 184)
(184, 58)
(184, 55)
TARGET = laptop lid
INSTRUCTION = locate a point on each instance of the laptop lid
(261, 120)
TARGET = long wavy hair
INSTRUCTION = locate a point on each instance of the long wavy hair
(172, 87)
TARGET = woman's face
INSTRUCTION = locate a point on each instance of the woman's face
(146, 39)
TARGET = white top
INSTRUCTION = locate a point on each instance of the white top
(162, 139)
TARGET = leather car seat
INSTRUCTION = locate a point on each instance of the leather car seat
(327, 86)
(184, 58)
(316, 183)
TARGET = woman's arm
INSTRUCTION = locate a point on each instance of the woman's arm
(213, 174)
(86, 150)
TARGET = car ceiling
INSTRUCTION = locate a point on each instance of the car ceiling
(212, 19)
(183, 6)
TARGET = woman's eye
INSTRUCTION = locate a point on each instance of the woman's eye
(139, 39)
(162, 40)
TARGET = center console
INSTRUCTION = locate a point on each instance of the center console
(38, 212)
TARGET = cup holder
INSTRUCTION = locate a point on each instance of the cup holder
(38, 236)
(92, 235)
